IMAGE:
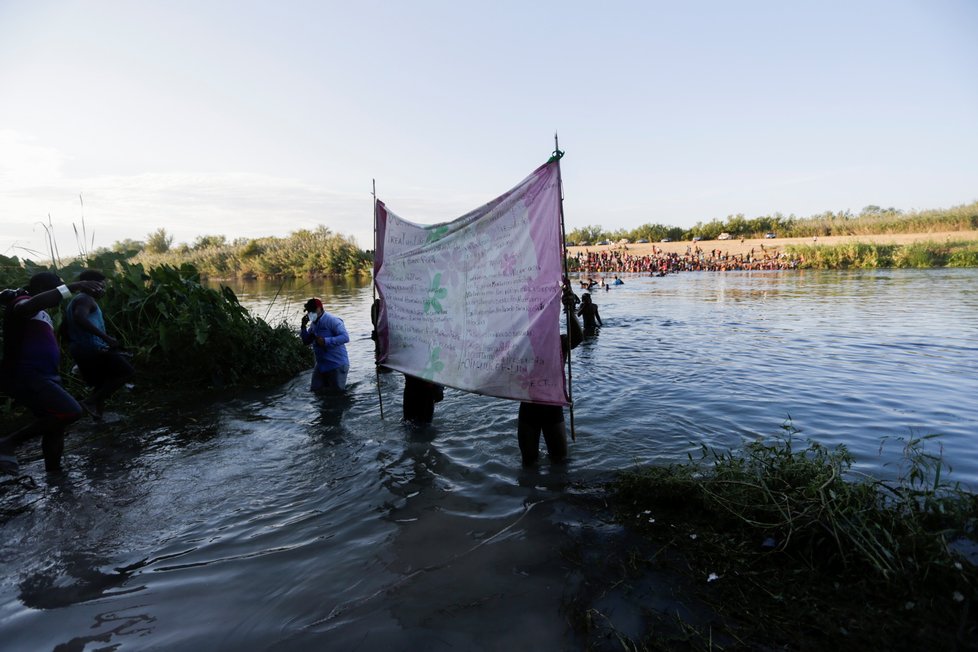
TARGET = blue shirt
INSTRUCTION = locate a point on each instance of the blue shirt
(332, 353)
(82, 341)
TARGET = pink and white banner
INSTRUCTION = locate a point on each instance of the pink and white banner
(474, 303)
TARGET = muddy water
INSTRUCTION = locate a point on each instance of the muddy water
(276, 520)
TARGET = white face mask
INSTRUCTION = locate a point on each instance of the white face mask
(313, 316)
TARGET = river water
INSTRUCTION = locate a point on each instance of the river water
(276, 520)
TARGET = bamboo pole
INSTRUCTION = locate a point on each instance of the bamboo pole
(567, 310)
(380, 396)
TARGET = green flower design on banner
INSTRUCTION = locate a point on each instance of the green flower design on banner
(434, 364)
(437, 233)
(435, 292)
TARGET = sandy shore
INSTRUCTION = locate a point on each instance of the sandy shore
(737, 247)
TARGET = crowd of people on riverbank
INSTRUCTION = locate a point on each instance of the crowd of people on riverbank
(695, 259)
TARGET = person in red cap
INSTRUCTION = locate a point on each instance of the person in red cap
(328, 337)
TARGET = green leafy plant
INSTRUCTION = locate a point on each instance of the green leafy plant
(797, 548)
(434, 366)
(182, 331)
(435, 293)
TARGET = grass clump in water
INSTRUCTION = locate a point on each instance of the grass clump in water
(791, 551)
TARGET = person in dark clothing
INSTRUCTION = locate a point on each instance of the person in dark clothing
(29, 371)
(420, 397)
(537, 418)
(97, 354)
(589, 310)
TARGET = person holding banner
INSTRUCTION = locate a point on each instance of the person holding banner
(420, 397)
(536, 418)
(328, 337)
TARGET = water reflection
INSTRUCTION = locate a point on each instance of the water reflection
(121, 623)
(71, 578)
(329, 412)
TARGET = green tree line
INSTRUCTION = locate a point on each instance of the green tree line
(871, 220)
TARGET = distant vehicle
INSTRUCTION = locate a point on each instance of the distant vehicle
(697, 238)
(666, 240)
(723, 236)
(584, 244)
(604, 242)
(642, 241)
(770, 234)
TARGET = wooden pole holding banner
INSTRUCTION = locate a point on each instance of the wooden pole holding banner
(373, 320)
(568, 310)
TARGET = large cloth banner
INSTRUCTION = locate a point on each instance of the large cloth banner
(474, 303)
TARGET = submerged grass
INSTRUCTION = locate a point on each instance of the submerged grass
(791, 551)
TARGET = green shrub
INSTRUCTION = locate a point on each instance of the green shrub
(921, 255)
(964, 257)
(184, 332)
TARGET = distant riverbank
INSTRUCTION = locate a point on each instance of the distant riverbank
(869, 251)
(735, 247)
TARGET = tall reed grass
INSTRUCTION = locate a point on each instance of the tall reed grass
(305, 253)
(857, 255)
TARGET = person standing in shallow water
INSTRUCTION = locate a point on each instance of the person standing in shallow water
(29, 372)
(537, 418)
(419, 400)
(589, 311)
(328, 337)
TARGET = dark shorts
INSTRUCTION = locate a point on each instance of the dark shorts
(43, 395)
(537, 415)
(101, 367)
(535, 419)
(420, 397)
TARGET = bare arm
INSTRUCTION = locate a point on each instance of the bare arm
(51, 298)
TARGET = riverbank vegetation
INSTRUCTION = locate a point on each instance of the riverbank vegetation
(870, 221)
(857, 255)
(303, 254)
(781, 546)
(320, 252)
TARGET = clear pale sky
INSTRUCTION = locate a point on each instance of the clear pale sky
(247, 118)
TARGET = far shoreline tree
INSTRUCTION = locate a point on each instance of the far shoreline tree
(158, 242)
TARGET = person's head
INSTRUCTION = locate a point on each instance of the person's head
(313, 308)
(42, 282)
(586, 297)
(91, 275)
(97, 277)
